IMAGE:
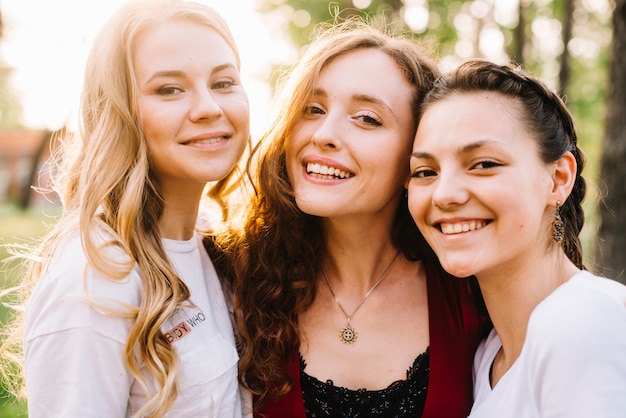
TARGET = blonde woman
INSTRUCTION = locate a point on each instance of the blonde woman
(127, 316)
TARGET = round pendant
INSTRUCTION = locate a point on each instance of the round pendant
(348, 335)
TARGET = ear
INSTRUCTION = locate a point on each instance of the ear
(563, 177)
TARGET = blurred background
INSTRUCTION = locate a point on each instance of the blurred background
(578, 47)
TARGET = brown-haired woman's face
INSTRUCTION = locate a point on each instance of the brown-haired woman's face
(194, 110)
(348, 152)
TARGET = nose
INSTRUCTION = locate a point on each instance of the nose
(450, 191)
(204, 106)
(328, 132)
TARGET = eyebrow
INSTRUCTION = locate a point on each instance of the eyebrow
(178, 73)
(459, 151)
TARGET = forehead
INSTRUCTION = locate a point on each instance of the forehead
(182, 35)
(375, 60)
(179, 44)
(476, 110)
(463, 118)
(369, 71)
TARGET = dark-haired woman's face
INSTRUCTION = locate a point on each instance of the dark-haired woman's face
(479, 192)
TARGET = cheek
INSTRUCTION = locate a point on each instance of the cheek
(291, 161)
(238, 112)
(417, 204)
(294, 144)
(156, 123)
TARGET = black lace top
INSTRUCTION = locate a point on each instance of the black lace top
(403, 398)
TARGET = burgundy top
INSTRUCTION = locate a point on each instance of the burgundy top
(456, 328)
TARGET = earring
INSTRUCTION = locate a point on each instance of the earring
(558, 229)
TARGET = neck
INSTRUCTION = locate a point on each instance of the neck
(512, 295)
(179, 217)
(358, 268)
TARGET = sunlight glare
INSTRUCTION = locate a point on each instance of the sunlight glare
(47, 42)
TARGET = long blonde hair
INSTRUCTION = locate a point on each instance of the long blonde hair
(105, 183)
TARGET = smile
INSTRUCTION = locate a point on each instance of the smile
(460, 227)
(207, 141)
(326, 172)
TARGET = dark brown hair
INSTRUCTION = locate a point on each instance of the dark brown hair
(545, 115)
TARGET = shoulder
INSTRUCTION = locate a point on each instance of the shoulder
(585, 312)
(70, 268)
(575, 348)
(71, 294)
(583, 299)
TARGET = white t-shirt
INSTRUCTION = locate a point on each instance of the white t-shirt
(573, 362)
(74, 352)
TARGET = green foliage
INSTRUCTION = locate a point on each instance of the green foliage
(303, 15)
(22, 227)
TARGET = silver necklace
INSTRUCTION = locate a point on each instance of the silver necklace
(348, 335)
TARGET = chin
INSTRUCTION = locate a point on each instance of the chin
(458, 269)
(313, 207)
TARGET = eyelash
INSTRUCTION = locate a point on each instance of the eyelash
(486, 164)
(223, 84)
(370, 119)
(313, 110)
(366, 118)
(421, 173)
(168, 90)
(171, 90)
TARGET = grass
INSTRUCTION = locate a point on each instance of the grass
(17, 227)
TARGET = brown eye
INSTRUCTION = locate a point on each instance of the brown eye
(168, 90)
(487, 164)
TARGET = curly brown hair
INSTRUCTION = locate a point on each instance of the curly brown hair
(275, 257)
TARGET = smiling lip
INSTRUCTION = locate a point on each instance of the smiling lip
(459, 227)
(326, 172)
(325, 169)
(208, 139)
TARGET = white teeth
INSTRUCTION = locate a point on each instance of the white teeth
(457, 228)
(324, 171)
(209, 141)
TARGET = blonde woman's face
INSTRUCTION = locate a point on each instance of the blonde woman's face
(194, 110)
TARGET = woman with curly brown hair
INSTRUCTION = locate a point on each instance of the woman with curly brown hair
(343, 311)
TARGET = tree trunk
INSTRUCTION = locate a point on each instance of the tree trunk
(564, 71)
(517, 55)
(611, 247)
